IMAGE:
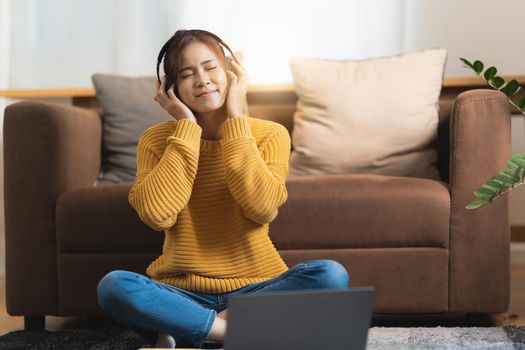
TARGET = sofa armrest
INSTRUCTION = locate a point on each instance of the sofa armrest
(49, 149)
(480, 141)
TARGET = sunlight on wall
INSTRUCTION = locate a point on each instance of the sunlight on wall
(270, 32)
(60, 43)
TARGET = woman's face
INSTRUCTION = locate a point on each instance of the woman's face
(200, 72)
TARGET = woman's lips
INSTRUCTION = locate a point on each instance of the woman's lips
(208, 94)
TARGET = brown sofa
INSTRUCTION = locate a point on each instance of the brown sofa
(410, 238)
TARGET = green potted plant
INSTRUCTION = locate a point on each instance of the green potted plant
(513, 175)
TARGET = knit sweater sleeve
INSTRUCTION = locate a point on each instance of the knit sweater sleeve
(163, 184)
(255, 177)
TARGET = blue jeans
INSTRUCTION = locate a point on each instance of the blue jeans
(147, 306)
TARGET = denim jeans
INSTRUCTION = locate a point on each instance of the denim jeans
(148, 307)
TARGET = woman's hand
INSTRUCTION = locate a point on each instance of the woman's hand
(238, 86)
(171, 103)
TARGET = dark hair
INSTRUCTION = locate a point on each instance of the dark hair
(173, 48)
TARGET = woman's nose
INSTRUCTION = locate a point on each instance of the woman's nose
(203, 79)
(203, 83)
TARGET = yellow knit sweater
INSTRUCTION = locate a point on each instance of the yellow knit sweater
(214, 200)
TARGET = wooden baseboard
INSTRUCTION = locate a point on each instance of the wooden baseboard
(517, 233)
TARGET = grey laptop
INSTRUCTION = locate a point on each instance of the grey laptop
(304, 319)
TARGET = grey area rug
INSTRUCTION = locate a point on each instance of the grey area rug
(112, 338)
(453, 338)
(500, 338)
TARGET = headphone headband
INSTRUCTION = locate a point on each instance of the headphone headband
(178, 34)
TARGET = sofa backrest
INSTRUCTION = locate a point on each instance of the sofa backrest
(278, 103)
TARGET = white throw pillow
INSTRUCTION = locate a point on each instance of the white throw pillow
(371, 116)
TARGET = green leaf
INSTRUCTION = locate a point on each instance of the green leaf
(464, 60)
(521, 174)
(484, 193)
(517, 174)
(497, 185)
(496, 180)
(478, 66)
(511, 165)
(521, 105)
(490, 73)
(498, 82)
(476, 204)
(491, 186)
(511, 88)
(506, 179)
(518, 159)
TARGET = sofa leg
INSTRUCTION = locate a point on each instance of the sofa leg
(34, 323)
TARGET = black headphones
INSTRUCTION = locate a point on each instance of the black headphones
(178, 34)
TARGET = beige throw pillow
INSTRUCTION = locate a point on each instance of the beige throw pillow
(371, 116)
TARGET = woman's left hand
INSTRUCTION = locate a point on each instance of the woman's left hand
(238, 81)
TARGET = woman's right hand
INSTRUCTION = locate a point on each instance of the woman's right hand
(171, 103)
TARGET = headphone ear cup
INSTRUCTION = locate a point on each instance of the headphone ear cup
(168, 84)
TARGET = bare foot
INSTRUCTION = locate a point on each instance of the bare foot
(223, 314)
(218, 329)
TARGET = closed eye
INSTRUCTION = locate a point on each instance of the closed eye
(184, 77)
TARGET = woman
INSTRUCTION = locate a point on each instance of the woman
(212, 179)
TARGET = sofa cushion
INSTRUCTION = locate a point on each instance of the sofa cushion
(350, 211)
(375, 116)
(339, 211)
(408, 280)
(100, 220)
(128, 108)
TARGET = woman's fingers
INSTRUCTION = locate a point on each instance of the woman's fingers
(238, 69)
(171, 93)
(160, 87)
(239, 56)
(237, 66)
(161, 91)
(232, 75)
(156, 92)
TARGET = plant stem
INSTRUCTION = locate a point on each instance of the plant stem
(507, 190)
(494, 87)
(512, 103)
